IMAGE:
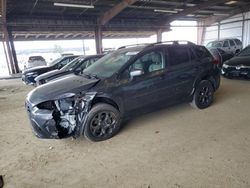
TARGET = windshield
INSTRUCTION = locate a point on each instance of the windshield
(73, 64)
(111, 63)
(245, 52)
(214, 44)
(55, 61)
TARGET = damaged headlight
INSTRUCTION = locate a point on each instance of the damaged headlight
(48, 105)
(68, 112)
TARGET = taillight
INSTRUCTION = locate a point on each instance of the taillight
(216, 61)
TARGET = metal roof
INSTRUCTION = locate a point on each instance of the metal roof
(42, 20)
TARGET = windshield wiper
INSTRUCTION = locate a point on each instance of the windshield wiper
(86, 75)
(89, 76)
(94, 76)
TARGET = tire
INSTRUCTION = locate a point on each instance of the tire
(203, 95)
(104, 121)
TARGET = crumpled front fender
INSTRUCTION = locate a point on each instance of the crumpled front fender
(83, 107)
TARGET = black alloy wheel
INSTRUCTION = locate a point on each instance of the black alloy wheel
(203, 95)
(103, 122)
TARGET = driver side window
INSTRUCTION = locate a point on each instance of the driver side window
(150, 62)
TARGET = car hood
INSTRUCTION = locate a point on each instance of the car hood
(49, 74)
(37, 69)
(54, 89)
(239, 60)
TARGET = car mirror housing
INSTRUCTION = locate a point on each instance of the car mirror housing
(135, 73)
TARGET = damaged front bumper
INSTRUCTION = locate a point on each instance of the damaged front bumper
(60, 118)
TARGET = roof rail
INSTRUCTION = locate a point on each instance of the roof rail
(133, 45)
(176, 42)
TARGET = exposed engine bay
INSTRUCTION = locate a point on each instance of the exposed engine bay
(60, 118)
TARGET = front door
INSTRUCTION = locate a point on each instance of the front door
(142, 91)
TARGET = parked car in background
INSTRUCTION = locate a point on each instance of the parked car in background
(220, 55)
(238, 66)
(125, 83)
(66, 54)
(35, 61)
(232, 46)
(29, 75)
(75, 66)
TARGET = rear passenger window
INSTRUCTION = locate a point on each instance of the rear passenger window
(178, 55)
(226, 44)
(201, 52)
(232, 43)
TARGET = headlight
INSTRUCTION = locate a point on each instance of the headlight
(66, 104)
(65, 101)
(225, 66)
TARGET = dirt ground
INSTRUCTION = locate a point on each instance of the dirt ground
(175, 147)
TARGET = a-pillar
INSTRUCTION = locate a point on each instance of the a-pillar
(159, 35)
(98, 40)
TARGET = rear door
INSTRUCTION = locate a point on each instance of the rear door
(233, 46)
(226, 46)
(183, 68)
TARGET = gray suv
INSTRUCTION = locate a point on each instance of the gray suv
(232, 46)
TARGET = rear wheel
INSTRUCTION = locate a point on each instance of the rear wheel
(203, 95)
(103, 122)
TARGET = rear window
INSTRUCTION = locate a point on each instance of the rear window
(201, 52)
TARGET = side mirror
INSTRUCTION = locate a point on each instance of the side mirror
(136, 73)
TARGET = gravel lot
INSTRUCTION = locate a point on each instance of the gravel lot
(175, 147)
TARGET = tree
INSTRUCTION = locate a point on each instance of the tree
(58, 49)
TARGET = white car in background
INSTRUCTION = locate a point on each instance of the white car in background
(232, 46)
(35, 61)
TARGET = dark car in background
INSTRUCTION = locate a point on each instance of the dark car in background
(75, 66)
(238, 66)
(29, 75)
(220, 55)
(125, 83)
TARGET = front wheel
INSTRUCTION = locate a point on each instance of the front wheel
(103, 122)
(203, 95)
